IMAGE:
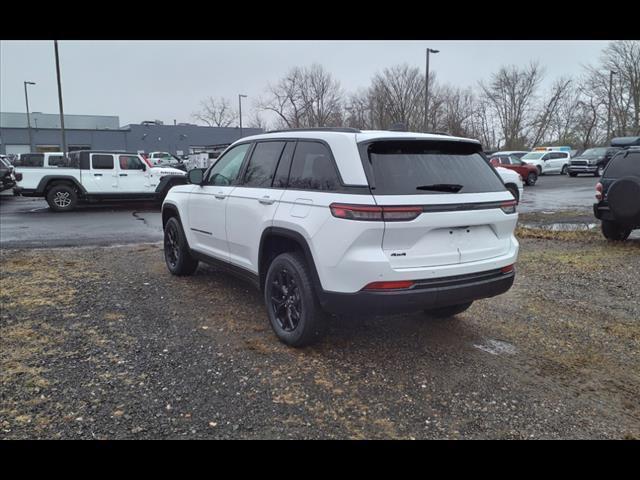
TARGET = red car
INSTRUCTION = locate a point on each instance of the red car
(510, 160)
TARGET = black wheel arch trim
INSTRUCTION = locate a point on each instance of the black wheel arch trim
(298, 238)
(169, 181)
(48, 179)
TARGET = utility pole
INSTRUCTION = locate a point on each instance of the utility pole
(240, 97)
(64, 135)
(26, 99)
(611, 74)
(426, 89)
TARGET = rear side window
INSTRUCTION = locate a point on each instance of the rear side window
(56, 161)
(30, 160)
(102, 162)
(313, 168)
(624, 166)
(429, 167)
(262, 165)
(282, 173)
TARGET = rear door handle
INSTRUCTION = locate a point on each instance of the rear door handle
(97, 174)
(123, 174)
(219, 196)
(266, 200)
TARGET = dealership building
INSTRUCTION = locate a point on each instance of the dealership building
(101, 132)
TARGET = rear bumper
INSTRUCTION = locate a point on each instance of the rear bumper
(432, 293)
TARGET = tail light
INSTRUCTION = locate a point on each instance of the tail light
(598, 191)
(398, 285)
(509, 206)
(374, 213)
(507, 269)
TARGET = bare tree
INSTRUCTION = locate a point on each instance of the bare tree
(546, 117)
(457, 108)
(257, 121)
(510, 94)
(398, 91)
(216, 112)
(305, 97)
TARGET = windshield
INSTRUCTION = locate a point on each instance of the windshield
(430, 167)
(533, 156)
(594, 152)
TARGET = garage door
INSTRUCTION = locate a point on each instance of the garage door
(17, 149)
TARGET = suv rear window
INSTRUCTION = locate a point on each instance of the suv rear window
(427, 167)
(624, 166)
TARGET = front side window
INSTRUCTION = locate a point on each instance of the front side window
(262, 165)
(504, 160)
(429, 167)
(515, 160)
(225, 171)
(313, 168)
(102, 162)
(130, 162)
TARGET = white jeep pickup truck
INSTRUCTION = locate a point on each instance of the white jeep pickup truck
(89, 176)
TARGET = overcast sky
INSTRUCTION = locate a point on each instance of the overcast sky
(166, 80)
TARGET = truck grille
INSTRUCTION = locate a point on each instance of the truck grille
(578, 163)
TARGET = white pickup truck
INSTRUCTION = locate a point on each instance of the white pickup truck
(89, 176)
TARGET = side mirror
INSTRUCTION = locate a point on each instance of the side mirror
(195, 176)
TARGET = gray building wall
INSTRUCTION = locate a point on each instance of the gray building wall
(148, 138)
(51, 120)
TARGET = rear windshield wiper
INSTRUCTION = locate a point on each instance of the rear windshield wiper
(441, 187)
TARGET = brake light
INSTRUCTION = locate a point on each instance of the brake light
(507, 269)
(374, 212)
(509, 206)
(598, 191)
(398, 285)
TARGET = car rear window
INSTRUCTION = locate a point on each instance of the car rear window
(624, 165)
(428, 167)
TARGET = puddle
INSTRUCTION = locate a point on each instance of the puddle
(562, 227)
(497, 347)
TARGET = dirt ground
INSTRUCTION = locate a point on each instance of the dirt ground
(104, 343)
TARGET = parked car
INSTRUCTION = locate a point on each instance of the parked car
(548, 161)
(88, 176)
(8, 177)
(529, 173)
(592, 161)
(618, 191)
(343, 220)
(514, 153)
(166, 159)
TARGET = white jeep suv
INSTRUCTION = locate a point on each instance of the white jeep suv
(342, 220)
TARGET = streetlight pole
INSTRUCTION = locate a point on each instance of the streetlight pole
(426, 88)
(64, 136)
(240, 97)
(611, 74)
(26, 99)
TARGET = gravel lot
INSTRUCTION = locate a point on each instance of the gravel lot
(102, 342)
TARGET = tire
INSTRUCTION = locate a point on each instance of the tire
(614, 231)
(564, 170)
(573, 174)
(539, 170)
(532, 178)
(514, 191)
(293, 309)
(62, 197)
(446, 312)
(176, 250)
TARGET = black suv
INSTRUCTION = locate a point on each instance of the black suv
(618, 192)
(592, 161)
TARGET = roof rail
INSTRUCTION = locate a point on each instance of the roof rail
(318, 129)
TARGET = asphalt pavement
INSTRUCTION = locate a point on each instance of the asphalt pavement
(28, 222)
